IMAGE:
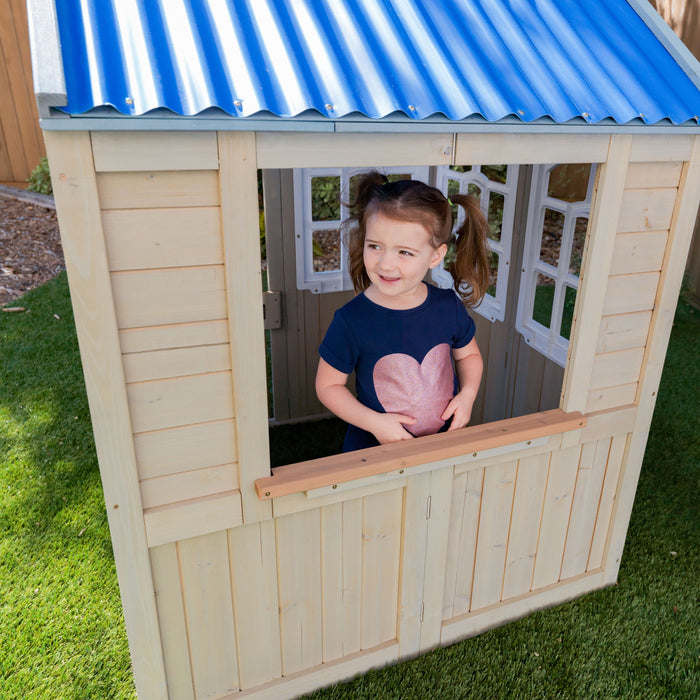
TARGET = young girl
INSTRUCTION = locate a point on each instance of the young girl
(399, 335)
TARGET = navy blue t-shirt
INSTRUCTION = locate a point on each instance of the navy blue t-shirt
(402, 359)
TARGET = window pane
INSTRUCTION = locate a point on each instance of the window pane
(495, 215)
(474, 191)
(326, 250)
(552, 230)
(568, 315)
(325, 198)
(569, 182)
(493, 273)
(461, 168)
(496, 173)
(544, 300)
(577, 248)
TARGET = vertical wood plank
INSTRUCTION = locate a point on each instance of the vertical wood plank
(436, 556)
(589, 482)
(241, 232)
(555, 516)
(299, 580)
(679, 239)
(381, 544)
(255, 602)
(415, 538)
(607, 499)
(341, 543)
(468, 539)
(494, 525)
(527, 511)
(206, 589)
(171, 614)
(595, 268)
(75, 193)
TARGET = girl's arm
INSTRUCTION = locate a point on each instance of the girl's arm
(469, 366)
(333, 393)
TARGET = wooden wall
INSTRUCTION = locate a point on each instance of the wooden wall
(227, 595)
(21, 140)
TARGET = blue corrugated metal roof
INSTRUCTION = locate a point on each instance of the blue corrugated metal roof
(560, 59)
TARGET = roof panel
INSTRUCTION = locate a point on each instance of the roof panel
(562, 59)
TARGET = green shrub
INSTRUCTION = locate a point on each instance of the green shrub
(40, 178)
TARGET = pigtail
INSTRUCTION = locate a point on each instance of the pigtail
(369, 187)
(470, 267)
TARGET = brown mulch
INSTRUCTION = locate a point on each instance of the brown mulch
(30, 248)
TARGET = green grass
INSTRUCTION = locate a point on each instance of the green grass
(61, 629)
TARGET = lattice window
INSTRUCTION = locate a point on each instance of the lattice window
(495, 187)
(320, 195)
(560, 202)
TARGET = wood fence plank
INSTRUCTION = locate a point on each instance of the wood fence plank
(607, 499)
(555, 516)
(134, 151)
(158, 189)
(175, 335)
(629, 293)
(381, 538)
(615, 368)
(178, 362)
(623, 331)
(300, 592)
(172, 295)
(611, 397)
(140, 239)
(167, 403)
(527, 511)
(192, 518)
(182, 486)
(646, 210)
(638, 252)
(171, 615)
(661, 148)
(494, 525)
(652, 175)
(185, 448)
(255, 602)
(206, 588)
(589, 482)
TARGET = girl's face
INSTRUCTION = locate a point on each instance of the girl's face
(397, 254)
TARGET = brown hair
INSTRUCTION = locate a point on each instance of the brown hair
(414, 201)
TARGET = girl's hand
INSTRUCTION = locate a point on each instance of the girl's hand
(459, 409)
(389, 427)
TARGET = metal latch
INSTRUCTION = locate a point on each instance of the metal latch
(272, 310)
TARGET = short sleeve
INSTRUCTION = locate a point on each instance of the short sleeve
(338, 348)
(465, 328)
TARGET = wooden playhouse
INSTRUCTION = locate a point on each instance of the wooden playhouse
(241, 583)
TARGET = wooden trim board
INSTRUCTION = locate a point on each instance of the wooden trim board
(395, 457)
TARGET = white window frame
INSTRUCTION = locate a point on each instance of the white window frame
(320, 282)
(548, 341)
(492, 307)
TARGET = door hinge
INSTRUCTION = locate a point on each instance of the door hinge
(272, 310)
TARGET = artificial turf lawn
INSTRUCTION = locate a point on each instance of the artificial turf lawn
(61, 628)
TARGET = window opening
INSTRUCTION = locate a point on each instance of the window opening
(495, 188)
(560, 201)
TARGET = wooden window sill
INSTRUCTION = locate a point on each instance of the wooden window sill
(398, 456)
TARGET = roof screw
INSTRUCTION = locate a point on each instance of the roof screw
(129, 100)
(238, 103)
(412, 108)
(521, 111)
(330, 107)
(585, 114)
(641, 115)
(267, 493)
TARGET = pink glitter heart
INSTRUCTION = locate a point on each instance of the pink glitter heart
(421, 391)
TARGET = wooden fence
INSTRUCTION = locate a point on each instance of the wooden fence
(21, 141)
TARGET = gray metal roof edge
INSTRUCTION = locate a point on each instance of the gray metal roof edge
(47, 63)
(670, 40)
(309, 124)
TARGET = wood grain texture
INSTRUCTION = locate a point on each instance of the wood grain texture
(76, 197)
(241, 233)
